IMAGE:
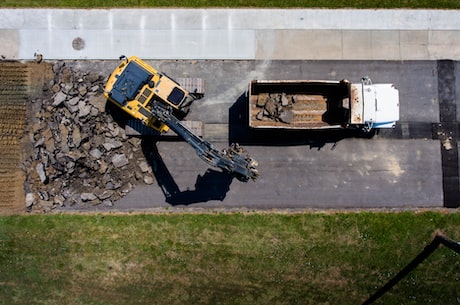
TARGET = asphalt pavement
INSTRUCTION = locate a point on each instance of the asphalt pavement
(415, 165)
(405, 167)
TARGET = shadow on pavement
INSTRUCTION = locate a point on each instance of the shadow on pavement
(213, 185)
(241, 133)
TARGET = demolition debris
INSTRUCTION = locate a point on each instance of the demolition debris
(80, 155)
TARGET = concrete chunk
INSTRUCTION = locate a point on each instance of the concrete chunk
(120, 160)
(59, 98)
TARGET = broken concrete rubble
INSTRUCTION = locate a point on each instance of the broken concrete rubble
(119, 160)
(30, 200)
(79, 155)
(275, 106)
(88, 197)
(41, 172)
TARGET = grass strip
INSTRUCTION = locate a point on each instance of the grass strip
(416, 4)
(224, 258)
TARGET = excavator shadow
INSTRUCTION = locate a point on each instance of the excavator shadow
(212, 185)
(240, 132)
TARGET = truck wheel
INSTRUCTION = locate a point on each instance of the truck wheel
(366, 134)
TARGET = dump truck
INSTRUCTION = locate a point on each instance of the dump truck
(321, 104)
(161, 103)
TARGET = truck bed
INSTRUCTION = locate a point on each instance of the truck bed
(298, 104)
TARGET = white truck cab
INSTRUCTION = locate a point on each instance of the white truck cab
(375, 105)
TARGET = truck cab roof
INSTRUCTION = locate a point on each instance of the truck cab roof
(381, 107)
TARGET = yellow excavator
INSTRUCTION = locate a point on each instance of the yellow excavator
(160, 102)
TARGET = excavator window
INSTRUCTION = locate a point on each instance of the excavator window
(176, 96)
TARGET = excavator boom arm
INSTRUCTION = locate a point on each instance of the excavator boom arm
(157, 101)
(231, 160)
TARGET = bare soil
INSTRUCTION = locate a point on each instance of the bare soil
(20, 85)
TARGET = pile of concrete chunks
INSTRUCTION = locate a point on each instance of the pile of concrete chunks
(275, 107)
(79, 154)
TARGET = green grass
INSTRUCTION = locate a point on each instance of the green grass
(441, 4)
(224, 258)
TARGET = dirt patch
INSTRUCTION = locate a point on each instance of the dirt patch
(19, 82)
(12, 103)
(13, 96)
